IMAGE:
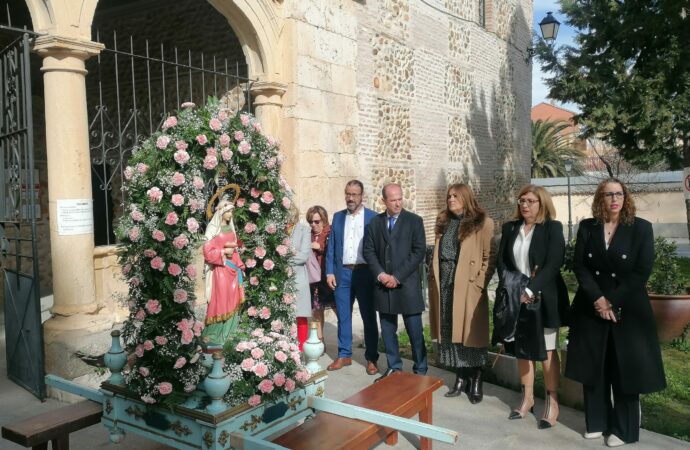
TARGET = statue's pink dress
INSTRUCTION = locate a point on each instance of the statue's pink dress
(227, 293)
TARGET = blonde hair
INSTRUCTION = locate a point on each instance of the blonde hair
(546, 209)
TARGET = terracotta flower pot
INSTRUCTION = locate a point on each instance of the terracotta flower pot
(671, 314)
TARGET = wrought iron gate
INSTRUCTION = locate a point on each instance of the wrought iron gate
(18, 203)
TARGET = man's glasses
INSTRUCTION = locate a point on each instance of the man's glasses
(314, 222)
(526, 201)
(617, 195)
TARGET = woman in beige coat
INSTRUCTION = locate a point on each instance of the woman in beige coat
(458, 305)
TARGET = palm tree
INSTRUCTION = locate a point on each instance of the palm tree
(550, 149)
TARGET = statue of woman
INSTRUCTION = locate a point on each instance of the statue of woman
(224, 290)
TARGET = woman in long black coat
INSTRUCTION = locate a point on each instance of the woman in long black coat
(613, 342)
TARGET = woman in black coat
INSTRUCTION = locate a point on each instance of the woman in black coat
(613, 343)
(533, 247)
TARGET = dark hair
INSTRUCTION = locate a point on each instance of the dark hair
(601, 213)
(474, 215)
(356, 183)
(321, 211)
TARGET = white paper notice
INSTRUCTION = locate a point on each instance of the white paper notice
(74, 217)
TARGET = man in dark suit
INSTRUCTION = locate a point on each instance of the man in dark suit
(348, 275)
(394, 248)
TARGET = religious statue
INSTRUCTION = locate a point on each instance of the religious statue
(224, 277)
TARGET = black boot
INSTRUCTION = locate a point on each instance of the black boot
(476, 393)
(459, 385)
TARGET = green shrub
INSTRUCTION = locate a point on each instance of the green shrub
(667, 277)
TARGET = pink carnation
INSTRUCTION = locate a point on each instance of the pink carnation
(279, 379)
(260, 370)
(181, 241)
(181, 157)
(142, 168)
(277, 325)
(178, 179)
(254, 281)
(148, 345)
(257, 127)
(140, 315)
(212, 151)
(157, 263)
(139, 351)
(129, 173)
(260, 252)
(153, 306)
(257, 332)
(192, 225)
(195, 205)
(282, 250)
(155, 194)
(198, 183)
(174, 269)
(254, 400)
(286, 202)
(214, 124)
(250, 227)
(266, 386)
(290, 385)
(247, 364)
(149, 253)
(265, 313)
(169, 122)
(210, 162)
(184, 325)
(161, 340)
(244, 147)
(251, 312)
(223, 115)
(134, 233)
(269, 264)
(191, 271)
(181, 145)
(280, 356)
(202, 139)
(288, 298)
(254, 192)
(302, 376)
(188, 105)
(224, 140)
(137, 216)
(158, 235)
(144, 371)
(257, 353)
(255, 208)
(244, 119)
(271, 228)
(171, 219)
(162, 142)
(177, 199)
(226, 153)
(181, 361)
(180, 296)
(134, 281)
(197, 328)
(267, 197)
(187, 337)
(165, 388)
(240, 202)
(239, 135)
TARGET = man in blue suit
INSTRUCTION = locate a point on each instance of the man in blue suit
(348, 275)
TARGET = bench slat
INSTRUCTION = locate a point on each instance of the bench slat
(53, 424)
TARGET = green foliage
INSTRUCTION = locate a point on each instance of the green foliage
(629, 72)
(667, 277)
(551, 148)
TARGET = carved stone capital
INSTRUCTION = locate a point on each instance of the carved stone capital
(268, 93)
(63, 53)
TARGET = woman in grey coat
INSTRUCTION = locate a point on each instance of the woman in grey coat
(300, 238)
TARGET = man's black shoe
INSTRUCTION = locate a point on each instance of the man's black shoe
(385, 374)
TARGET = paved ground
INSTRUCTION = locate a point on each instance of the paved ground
(482, 426)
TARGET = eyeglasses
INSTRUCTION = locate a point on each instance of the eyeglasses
(617, 195)
(526, 201)
(314, 222)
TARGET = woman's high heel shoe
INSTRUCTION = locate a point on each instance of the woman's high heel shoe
(527, 405)
(549, 421)
(459, 385)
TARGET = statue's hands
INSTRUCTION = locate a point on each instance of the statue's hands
(315, 246)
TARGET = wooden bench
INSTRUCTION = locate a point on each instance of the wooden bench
(54, 426)
(401, 394)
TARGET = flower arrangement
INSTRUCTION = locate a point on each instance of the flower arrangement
(168, 183)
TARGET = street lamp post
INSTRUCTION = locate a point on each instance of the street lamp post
(568, 167)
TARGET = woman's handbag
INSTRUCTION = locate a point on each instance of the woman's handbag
(313, 269)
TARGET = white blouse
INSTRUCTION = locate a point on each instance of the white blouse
(521, 252)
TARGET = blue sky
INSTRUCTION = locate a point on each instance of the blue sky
(565, 36)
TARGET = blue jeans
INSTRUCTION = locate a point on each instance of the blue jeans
(413, 326)
(357, 283)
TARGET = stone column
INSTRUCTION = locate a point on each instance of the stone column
(69, 173)
(268, 108)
